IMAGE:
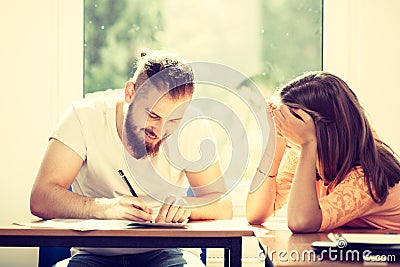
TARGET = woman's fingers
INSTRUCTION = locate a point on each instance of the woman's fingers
(301, 114)
(296, 125)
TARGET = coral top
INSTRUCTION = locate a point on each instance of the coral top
(348, 204)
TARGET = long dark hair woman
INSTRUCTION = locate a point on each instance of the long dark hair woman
(330, 166)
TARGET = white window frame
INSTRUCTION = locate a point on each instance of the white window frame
(341, 39)
(70, 55)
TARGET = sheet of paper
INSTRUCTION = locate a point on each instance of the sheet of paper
(92, 224)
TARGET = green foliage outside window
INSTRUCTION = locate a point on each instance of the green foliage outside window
(115, 32)
(291, 40)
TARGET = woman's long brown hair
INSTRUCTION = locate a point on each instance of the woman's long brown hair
(344, 136)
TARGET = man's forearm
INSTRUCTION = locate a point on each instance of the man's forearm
(54, 201)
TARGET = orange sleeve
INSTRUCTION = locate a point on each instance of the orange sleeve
(284, 178)
(348, 201)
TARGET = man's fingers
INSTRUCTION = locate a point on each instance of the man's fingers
(136, 202)
(185, 216)
(138, 210)
(182, 212)
(173, 210)
(162, 214)
(135, 214)
(177, 216)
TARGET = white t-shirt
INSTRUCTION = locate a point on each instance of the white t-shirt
(89, 128)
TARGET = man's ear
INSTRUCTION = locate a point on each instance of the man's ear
(129, 91)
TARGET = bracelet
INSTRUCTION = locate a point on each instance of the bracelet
(269, 176)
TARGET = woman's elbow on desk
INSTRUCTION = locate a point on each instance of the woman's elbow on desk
(258, 213)
(303, 224)
(257, 217)
(254, 221)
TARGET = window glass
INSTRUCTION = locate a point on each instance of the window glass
(270, 42)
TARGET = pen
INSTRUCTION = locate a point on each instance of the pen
(121, 173)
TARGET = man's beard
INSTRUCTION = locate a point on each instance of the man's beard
(152, 150)
(141, 148)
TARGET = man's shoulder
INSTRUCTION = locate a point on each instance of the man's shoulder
(97, 102)
(106, 94)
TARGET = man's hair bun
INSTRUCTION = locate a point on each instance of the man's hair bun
(144, 52)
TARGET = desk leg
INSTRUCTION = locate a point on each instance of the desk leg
(235, 255)
(226, 257)
(268, 262)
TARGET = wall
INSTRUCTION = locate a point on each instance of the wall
(42, 60)
(361, 42)
(379, 67)
(37, 83)
(28, 81)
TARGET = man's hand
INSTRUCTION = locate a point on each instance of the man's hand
(126, 208)
(174, 209)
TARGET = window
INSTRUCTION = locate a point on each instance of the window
(270, 42)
